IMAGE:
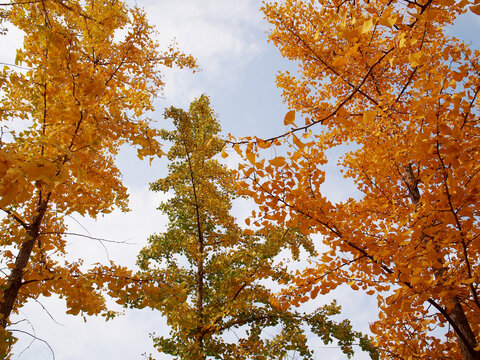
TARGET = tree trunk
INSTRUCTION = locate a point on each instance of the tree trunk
(199, 304)
(10, 294)
(468, 346)
(14, 283)
(199, 275)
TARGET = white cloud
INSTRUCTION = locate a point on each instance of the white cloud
(212, 30)
(223, 36)
(10, 42)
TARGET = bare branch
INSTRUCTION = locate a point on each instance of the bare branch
(86, 236)
(35, 338)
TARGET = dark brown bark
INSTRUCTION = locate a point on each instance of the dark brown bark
(467, 342)
(10, 294)
(14, 283)
(200, 272)
(412, 184)
(199, 304)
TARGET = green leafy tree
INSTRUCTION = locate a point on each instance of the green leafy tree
(208, 275)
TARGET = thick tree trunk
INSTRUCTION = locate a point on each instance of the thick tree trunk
(468, 345)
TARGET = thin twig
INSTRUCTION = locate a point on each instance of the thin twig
(86, 236)
(48, 313)
(35, 338)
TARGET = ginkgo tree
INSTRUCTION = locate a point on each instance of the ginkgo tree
(211, 278)
(384, 79)
(87, 72)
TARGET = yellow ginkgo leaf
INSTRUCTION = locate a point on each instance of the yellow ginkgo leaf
(298, 142)
(248, 232)
(251, 157)
(224, 153)
(278, 161)
(475, 9)
(307, 134)
(367, 25)
(263, 144)
(414, 58)
(289, 118)
(368, 116)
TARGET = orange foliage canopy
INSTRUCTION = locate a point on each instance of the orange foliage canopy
(90, 69)
(385, 78)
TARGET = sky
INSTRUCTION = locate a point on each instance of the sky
(237, 70)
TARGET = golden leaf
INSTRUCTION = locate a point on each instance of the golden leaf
(289, 118)
(278, 161)
(307, 134)
(368, 116)
(415, 58)
(250, 157)
(224, 153)
(263, 144)
(475, 9)
(248, 232)
(367, 25)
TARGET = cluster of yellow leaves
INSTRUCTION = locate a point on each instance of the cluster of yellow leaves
(384, 78)
(91, 73)
(81, 94)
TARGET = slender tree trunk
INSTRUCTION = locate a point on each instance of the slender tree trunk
(10, 294)
(14, 283)
(458, 316)
(199, 279)
(199, 303)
